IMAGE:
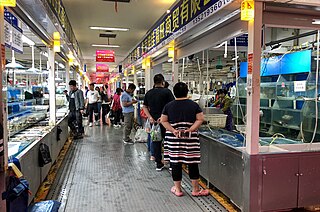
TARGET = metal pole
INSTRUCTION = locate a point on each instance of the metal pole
(52, 88)
(3, 115)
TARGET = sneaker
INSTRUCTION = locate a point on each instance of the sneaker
(160, 167)
(96, 123)
(170, 169)
(78, 136)
(90, 124)
(130, 141)
(152, 158)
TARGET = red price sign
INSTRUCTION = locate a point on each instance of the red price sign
(102, 68)
(105, 56)
(250, 63)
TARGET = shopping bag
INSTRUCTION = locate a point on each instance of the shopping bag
(147, 126)
(141, 136)
(156, 133)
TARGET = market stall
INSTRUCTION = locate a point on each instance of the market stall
(269, 64)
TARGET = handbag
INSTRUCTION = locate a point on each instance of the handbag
(44, 155)
(156, 133)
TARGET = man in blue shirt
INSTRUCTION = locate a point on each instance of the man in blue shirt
(127, 103)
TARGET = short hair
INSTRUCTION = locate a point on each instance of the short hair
(118, 90)
(73, 82)
(158, 79)
(106, 86)
(132, 86)
(222, 91)
(92, 84)
(166, 84)
(180, 90)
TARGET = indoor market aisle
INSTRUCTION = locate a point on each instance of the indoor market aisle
(103, 174)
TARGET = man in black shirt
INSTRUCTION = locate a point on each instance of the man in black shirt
(154, 102)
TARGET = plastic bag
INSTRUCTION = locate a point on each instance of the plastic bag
(156, 133)
(147, 126)
(46, 206)
(141, 136)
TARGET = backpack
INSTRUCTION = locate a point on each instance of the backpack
(44, 155)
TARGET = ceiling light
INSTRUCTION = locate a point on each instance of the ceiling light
(27, 41)
(61, 65)
(170, 60)
(168, 11)
(109, 28)
(105, 45)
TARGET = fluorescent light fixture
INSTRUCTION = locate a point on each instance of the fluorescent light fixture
(61, 65)
(170, 60)
(109, 28)
(139, 72)
(27, 41)
(316, 21)
(105, 45)
(168, 11)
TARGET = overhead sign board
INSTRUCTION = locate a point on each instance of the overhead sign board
(102, 68)
(12, 32)
(185, 15)
(105, 56)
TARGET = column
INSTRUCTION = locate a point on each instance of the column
(135, 81)
(175, 68)
(3, 117)
(67, 75)
(253, 81)
(52, 87)
(148, 76)
(253, 107)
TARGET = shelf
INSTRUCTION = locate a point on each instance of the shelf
(18, 114)
(266, 108)
(287, 126)
(20, 102)
(288, 109)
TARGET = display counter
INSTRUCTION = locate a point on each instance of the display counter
(24, 145)
(283, 176)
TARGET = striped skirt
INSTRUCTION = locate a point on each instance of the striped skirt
(182, 150)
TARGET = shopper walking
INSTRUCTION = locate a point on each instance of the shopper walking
(154, 102)
(127, 103)
(116, 108)
(105, 103)
(225, 102)
(92, 105)
(182, 118)
(76, 106)
(99, 102)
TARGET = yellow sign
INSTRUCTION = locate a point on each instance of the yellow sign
(8, 3)
(247, 10)
(171, 52)
(56, 42)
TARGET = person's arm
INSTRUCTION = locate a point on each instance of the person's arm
(216, 102)
(125, 101)
(146, 111)
(197, 123)
(165, 123)
(81, 101)
(227, 104)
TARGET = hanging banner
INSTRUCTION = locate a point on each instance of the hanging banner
(12, 33)
(183, 16)
(102, 68)
(105, 56)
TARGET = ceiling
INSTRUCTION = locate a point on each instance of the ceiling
(138, 16)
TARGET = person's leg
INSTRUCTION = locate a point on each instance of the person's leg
(104, 113)
(90, 107)
(157, 147)
(117, 117)
(99, 105)
(127, 126)
(194, 176)
(95, 109)
(79, 122)
(177, 177)
(71, 119)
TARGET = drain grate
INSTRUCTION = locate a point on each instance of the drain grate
(205, 203)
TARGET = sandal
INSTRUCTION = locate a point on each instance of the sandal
(201, 193)
(175, 192)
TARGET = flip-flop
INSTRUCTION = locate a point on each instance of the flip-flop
(201, 193)
(175, 192)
